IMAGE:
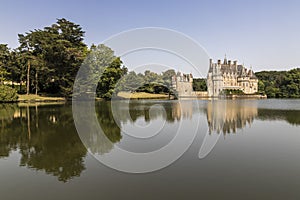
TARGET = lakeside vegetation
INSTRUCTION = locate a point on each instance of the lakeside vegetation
(37, 98)
(142, 95)
(47, 60)
(279, 84)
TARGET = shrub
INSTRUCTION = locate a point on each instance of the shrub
(8, 94)
(233, 91)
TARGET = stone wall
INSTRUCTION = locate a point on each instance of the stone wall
(200, 94)
(184, 89)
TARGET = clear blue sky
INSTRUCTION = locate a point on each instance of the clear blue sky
(264, 34)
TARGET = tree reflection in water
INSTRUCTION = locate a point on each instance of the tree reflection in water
(46, 138)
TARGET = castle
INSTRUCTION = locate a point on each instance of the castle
(230, 76)
(183, 84)
(221, 76)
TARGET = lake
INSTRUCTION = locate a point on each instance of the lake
(253, 150)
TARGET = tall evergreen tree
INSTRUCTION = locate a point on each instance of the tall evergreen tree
(54, 56)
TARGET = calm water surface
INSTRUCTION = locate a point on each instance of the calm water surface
(257, 155)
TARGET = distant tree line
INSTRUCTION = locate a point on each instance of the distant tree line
(148, 81)
(152, 82)
(279, 84)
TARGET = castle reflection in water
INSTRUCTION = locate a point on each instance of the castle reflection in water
(223, 116)
(228, 116)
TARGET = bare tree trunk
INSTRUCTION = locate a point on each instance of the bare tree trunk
(28, 76)
(36, 82)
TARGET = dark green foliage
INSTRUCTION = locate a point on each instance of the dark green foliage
(233, 91)
(153, 88)
(54, 55)
(8, 94)
(53, 147)
(279, 84)
(47, 59)
(167, 77)
(130, 82)
(4, 59)
(149, 82)
(199, 84)
(109, 78)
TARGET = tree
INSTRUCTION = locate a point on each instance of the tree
(100, 72)
(167, 78)
(27, 52)
(152, 77)
(108, 80)
(4, 59)
(53, 56)
(15, 69)
(64, 54)
(199, 84)
(7, 94)
(261, 86)
(130, 82)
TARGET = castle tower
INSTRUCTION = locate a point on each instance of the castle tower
(217, 80)
(209, 81)
(214, 79)
(183, 84)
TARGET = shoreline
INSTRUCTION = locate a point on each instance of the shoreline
(37, 98)
(133, 96)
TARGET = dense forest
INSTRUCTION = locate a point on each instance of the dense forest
(279, 84)
(47, 60)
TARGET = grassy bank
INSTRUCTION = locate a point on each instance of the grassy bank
(38, 98)
(142, 95)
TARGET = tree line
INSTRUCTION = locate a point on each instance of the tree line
(47, 61)
(279, 84)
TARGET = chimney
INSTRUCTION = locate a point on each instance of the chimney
(235, 62)
(219, 62)
(229, 62)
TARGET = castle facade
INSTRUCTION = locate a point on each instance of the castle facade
(230, 76)
(183, 84)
